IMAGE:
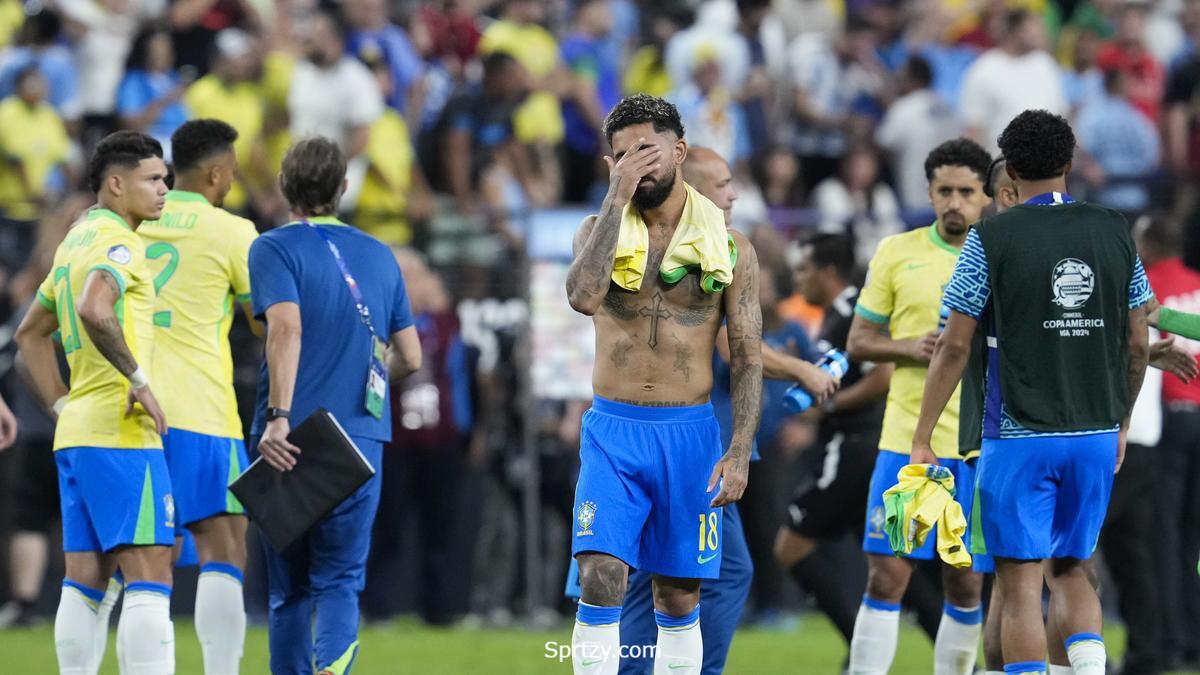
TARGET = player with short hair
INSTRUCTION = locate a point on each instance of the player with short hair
(117, 505)
(1071, 293)
(828, 501)
(651, 451)
(198, 253)
(897, 320)
(725, 597)
(339, 326)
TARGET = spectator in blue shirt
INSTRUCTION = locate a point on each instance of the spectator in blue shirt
(320, 348)
(1123, 147)
(597, 89)
(149, 98)
(369, 35)
(38, 44)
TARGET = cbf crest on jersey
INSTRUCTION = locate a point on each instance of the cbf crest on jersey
(120, 254)
(587, 514)
(1072, 282)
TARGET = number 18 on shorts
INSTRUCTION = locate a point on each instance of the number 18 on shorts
(643, 494)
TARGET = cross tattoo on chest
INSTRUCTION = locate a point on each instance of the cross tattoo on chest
(655, 313)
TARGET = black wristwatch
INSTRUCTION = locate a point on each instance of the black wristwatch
(277, 413)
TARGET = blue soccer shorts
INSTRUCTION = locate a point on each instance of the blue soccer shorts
(887, 465)
(642, 494)
(114, 497)
(202, 467)
(1045, 497)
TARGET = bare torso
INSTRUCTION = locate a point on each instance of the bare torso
(655, 346)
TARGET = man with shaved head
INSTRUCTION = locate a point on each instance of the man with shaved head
(709, 173)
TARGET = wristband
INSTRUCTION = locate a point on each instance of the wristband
(59, 405)
(138, 379)
(1183, 324)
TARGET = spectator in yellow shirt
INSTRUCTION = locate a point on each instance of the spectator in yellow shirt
(33, 142)
(519, 33)
(394, 193)
(228, 94)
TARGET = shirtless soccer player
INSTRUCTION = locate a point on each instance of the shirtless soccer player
(653, 477)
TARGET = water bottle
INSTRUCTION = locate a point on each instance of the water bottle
(943, 317)
(796, 400)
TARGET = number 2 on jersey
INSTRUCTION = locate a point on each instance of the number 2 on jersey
(154, 252)
(66, 314)
(709, 529)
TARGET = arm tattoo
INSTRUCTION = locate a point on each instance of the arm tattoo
(110, 340)
(109, 337)
(745, 354)
(590, 272)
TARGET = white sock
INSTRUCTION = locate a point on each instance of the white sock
(994, 672)
(680, 645)
(876, 631)
(145, 635)
(1086, 652)
(1061, 670)
(957, 644)
(74, 626)
(596, 641)
(116, 585)
(220, 618)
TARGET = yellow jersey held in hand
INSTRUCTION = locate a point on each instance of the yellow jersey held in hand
(95, 411)
(198, 255)
(904, 290)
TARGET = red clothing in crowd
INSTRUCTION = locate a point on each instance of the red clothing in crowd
(1145, 78)
(1178, 287)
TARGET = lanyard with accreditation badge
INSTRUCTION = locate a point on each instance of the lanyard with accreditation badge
(376, 371)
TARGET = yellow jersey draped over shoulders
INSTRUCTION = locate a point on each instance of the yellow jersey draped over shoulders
(198, 255)
(904, 289)
(95, 412)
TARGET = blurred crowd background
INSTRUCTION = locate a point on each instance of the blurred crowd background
(474, 133)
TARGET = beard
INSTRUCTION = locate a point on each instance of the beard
(955, 223)
(653, 196)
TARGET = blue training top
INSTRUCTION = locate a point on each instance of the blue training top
(294, 264)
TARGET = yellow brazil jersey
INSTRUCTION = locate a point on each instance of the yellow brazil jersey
(272, 87)
(539, 119)
(904, 290)
(241, 107)
(647, 74)
(198, 254)
(95, 412)
(383, 200)
(37, 138)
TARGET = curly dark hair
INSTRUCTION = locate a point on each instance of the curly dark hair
(958, 152)
(313, 171)
(1038, 144)
(125, 149)
(640, 109)
(197, 140)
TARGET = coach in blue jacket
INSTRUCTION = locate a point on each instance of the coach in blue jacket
(339, 328)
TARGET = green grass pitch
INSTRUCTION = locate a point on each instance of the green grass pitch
(405, 647)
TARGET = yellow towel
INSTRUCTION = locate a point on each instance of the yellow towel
(924, 497)
(700, 241)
